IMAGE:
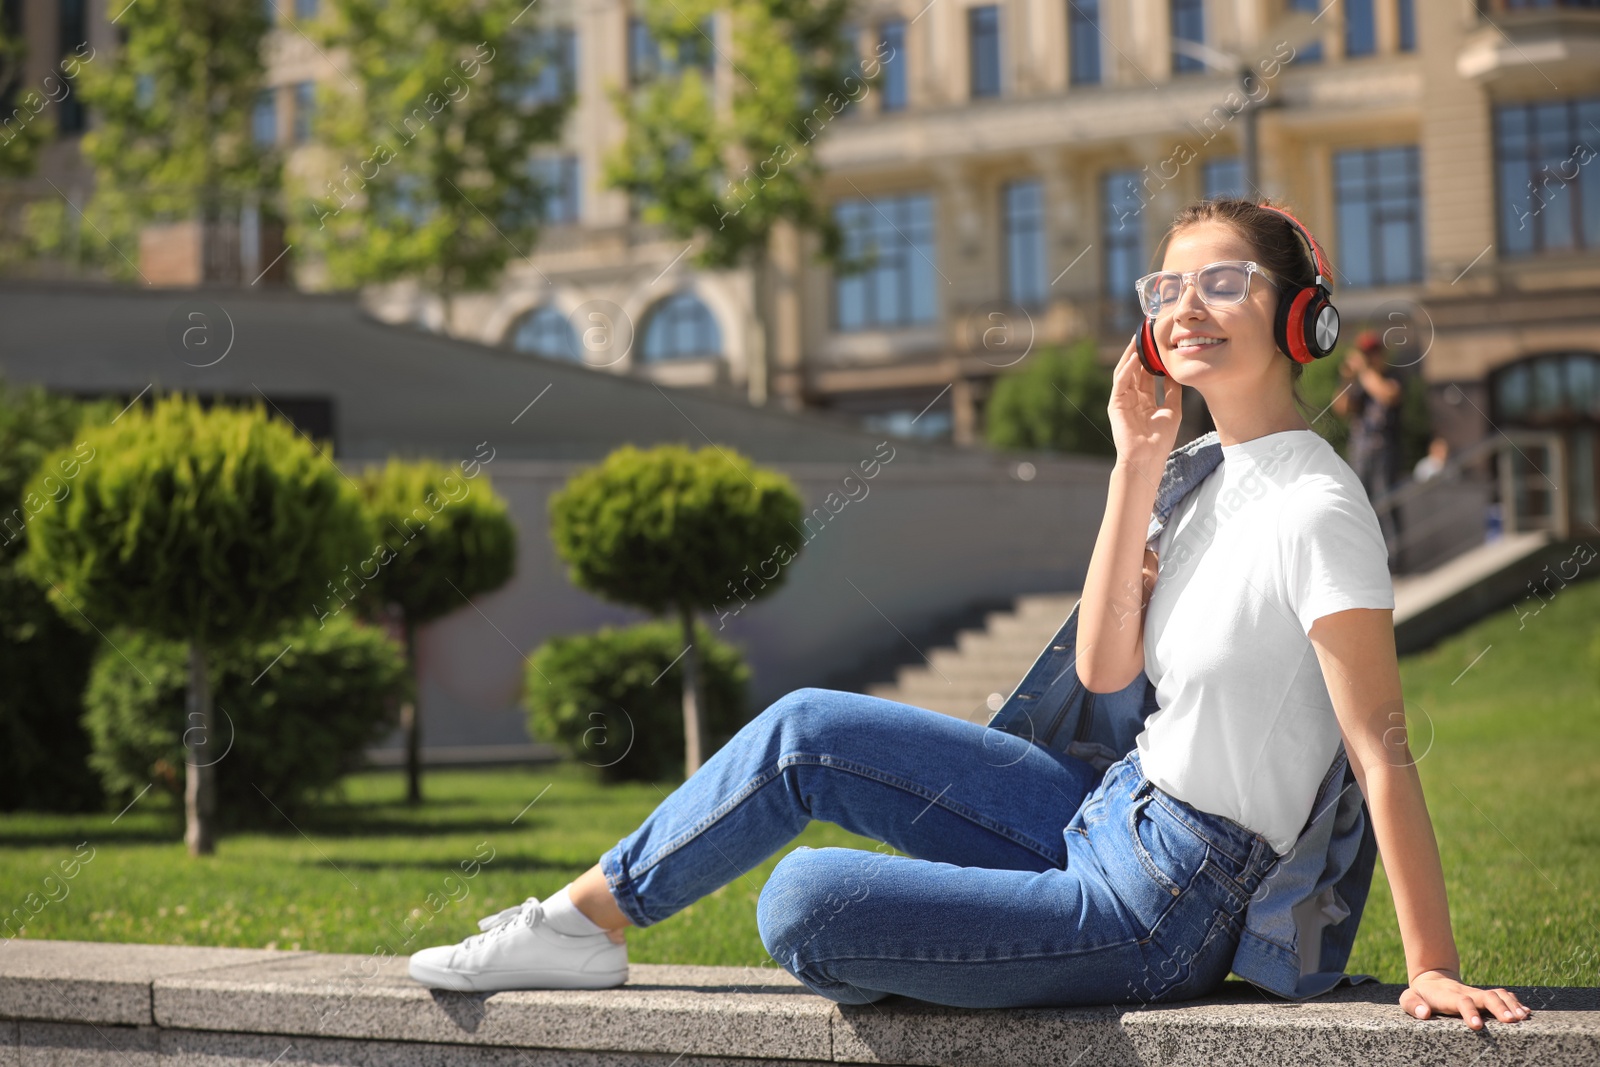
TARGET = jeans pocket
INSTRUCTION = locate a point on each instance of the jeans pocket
(1169, 855)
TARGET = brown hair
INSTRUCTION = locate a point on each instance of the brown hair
(1278, 247)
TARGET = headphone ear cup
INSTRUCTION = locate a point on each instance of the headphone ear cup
(1149, 355)
(1289, 328)
(1322, 328)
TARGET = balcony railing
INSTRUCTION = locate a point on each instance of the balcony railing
(1445, 516)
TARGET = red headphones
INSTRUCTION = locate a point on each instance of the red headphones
(1306, 326)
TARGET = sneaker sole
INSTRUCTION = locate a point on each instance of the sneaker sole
(439, 977)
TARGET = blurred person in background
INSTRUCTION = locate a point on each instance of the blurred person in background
(1430, 465)
(1370, 402)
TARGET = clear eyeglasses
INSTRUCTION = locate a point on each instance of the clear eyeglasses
(1220, 284)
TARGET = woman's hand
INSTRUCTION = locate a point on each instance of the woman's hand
(1441, 991)
(1143, 430)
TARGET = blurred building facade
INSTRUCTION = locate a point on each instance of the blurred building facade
(1016, 167)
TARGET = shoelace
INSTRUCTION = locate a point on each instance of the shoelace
(530, 911)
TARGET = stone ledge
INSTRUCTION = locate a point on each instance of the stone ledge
(85, 981)
(112, 1005)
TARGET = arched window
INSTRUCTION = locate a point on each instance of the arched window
(681, 327)
(546, 332)
(1557, 387)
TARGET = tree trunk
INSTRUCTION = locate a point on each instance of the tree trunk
(410, 721)
(693, 694)
(199, 786)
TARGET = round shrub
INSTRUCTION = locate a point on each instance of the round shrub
(441, 535)
(665, 528)
(209, 525)
(1055, 402)
(293, 733)
(614, 699)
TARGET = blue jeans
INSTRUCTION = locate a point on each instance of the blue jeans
(1028, 878)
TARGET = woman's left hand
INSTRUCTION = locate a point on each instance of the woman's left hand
(1440, 992)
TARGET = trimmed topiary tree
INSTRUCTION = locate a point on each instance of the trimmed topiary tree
(443, 538)
(208, 527)
(613, 699)
(670, 530)
(1055, 402)
(292, 722)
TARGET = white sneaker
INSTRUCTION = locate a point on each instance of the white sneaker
(519, 950)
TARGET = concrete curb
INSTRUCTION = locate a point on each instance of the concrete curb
(116, 1005)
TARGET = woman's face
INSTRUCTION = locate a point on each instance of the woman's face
(1244, 344)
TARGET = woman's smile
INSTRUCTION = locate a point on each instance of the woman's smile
(1192, 344)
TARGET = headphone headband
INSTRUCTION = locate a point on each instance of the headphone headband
(1319, 262)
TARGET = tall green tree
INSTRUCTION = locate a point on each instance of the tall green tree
(673, 531)
(729, 169)
(173, 137)
(208, 527)
(443, 538)
(427, 173)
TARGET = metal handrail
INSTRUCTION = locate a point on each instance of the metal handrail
(1556, 518)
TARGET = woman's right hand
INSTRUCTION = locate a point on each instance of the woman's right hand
(1143, 430)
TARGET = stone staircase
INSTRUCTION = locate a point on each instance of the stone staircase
(972, 680)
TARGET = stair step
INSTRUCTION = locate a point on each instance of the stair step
(970, 679)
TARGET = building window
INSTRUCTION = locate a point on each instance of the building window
(1549, 184)
(1312, 52)
(72, 30)
(305, 9)
(410, 199)
(269, 11)
(915, 424)
(546, 332)
(1560, 387)
(892, 89)
(305, 104)
(1122, 238)
(1223, 177)
(983, 50)
(1360, 28)
(647, 60)
(894, 236)
(1188, 24)
(558, 182)
(11, 25)
(681, 327)
(1408, 26)
(1022, 208)
(553, 54)
(644, 55)
(264, 118)
(1083, 42)
(144, 90)
(1378, 196)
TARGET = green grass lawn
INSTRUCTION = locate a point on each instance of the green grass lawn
(1505, 718)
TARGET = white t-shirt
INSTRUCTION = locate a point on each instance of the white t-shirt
(1280, 534)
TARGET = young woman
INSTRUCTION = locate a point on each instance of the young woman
(1268, 634)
